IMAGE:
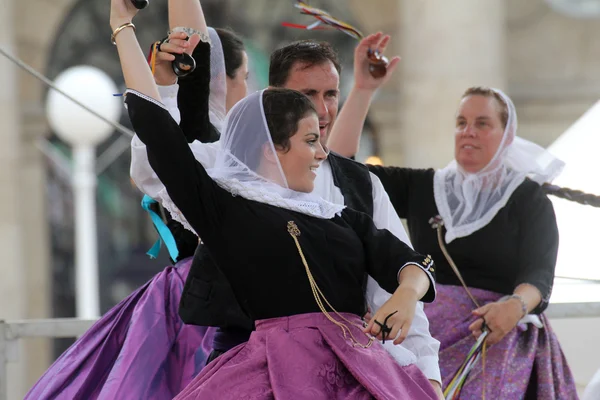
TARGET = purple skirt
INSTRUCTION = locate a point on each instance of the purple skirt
(140, 349)
(306, 357)
(527, 363)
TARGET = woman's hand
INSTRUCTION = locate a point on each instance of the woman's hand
(500, 318)
(399, 311)
(121, 12)
(175, 44)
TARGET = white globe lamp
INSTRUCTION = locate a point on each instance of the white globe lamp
(92, 87)
(83, 131)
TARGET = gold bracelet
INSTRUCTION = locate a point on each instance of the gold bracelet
(119, 29)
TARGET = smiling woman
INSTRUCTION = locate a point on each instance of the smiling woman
(302, 153)
(289, 149)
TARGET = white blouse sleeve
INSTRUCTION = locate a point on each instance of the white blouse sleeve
(141, 172)
(419, 340)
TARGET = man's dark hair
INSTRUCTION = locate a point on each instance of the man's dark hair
(306, 52)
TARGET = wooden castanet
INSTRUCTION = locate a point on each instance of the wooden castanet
(183, 64)
(140, 4)
(377, 64)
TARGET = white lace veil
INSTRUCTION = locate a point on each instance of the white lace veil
(242, 169)
(218, 82)
(469, 201)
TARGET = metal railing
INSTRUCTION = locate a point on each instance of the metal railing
(12, 331)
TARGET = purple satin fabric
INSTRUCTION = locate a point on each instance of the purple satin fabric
(527, 363)
(140, 349)
(307, 357)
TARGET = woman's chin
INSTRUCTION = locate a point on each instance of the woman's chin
(469, 165)
(306, 187)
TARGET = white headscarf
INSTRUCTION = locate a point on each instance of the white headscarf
(218, 83)
(469, 201)
(241, 151)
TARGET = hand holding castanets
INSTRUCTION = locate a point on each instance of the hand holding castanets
(393, 319)
(177, 43)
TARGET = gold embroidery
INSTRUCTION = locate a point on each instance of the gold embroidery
(294, 232)
(427, 260)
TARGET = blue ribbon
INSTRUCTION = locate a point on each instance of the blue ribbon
(163, 230)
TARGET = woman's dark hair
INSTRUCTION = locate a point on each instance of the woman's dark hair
(284, 108)
(233, 51)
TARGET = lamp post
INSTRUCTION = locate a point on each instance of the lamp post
(83, 131)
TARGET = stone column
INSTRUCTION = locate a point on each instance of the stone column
(32, 47)
(12, 269)
(446, 46)
(25, 283)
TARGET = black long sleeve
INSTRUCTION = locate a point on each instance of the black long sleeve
(386, 254)
(538, 243)
(196, 195)
(193, 99)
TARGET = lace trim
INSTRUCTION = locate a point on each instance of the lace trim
(176, 214)
(323, 209)
(191, 31)
(465, 229)
(145, 97)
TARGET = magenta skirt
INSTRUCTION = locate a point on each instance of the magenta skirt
(527, 364)
(140, 349)
(306, 357)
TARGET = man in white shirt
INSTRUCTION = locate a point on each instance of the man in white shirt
(313, 69)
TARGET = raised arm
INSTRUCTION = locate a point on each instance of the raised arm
(136, 73)
(188, 185)
(186, 18)
(347, 130)
(193, 98)
(194, 117)
(193, 112)
(188, 14)
(140, 170)
(188, 97)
